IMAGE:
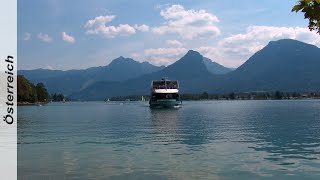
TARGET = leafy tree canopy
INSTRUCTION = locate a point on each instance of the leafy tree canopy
(42, 92)
(27, 92)
(311, 10)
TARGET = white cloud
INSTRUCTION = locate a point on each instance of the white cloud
(188, 24)
(210, 52)
(225, 56)
(68, 38)
(164, 56)
(175, 43)
(136, 56)
(27, 36)
(236, 49)
(265, 34)
(98, 26)
(99, 20)
(143, 27)
(44, 37)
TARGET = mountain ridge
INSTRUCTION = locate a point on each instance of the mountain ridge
(189, 69)
(287, 65)
(281, 65)
(69, 81)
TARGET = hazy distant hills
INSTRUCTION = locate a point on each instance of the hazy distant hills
(120, 69)
(286, 65)
(190, 70)
(70, 81)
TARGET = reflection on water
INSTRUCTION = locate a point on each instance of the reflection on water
(201, 140)
(164, 125)
(164, 121)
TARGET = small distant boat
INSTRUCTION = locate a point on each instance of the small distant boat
(142, 98)
(165, 93)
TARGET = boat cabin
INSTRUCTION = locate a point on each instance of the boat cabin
(165, 84)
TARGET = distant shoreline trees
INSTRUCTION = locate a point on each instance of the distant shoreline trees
(261, 95)
(57, 97)
(28, 92)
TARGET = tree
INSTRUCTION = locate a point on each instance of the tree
(278, 95)
(54, 97)
(57, 97)
(42, 92)
(204, 95)
(311, 10)
(60, 97)
(232, 96)
(26, 90)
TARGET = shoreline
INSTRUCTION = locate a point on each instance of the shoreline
(31, 104)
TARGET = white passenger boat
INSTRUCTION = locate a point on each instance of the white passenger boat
(165, 93)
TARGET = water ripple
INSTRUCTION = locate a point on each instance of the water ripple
(211, 140)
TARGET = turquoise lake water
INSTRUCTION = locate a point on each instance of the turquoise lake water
(201, 140)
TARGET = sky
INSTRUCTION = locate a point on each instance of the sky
(78, 34)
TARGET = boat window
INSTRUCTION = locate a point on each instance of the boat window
(165, 85)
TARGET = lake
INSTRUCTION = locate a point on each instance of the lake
(201, 140)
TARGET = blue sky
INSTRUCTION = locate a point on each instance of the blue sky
(77, 34)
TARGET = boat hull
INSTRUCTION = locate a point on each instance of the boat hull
(167, 103)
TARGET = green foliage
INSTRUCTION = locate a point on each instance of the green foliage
(27, 92)
(42, 92)
(57, 97)
(311, 10)
(278, 95)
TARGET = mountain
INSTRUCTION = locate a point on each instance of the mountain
(70, 81)
(286, 65)
(36, 74)
(125, 68)
(215, 68)
(190, 70)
